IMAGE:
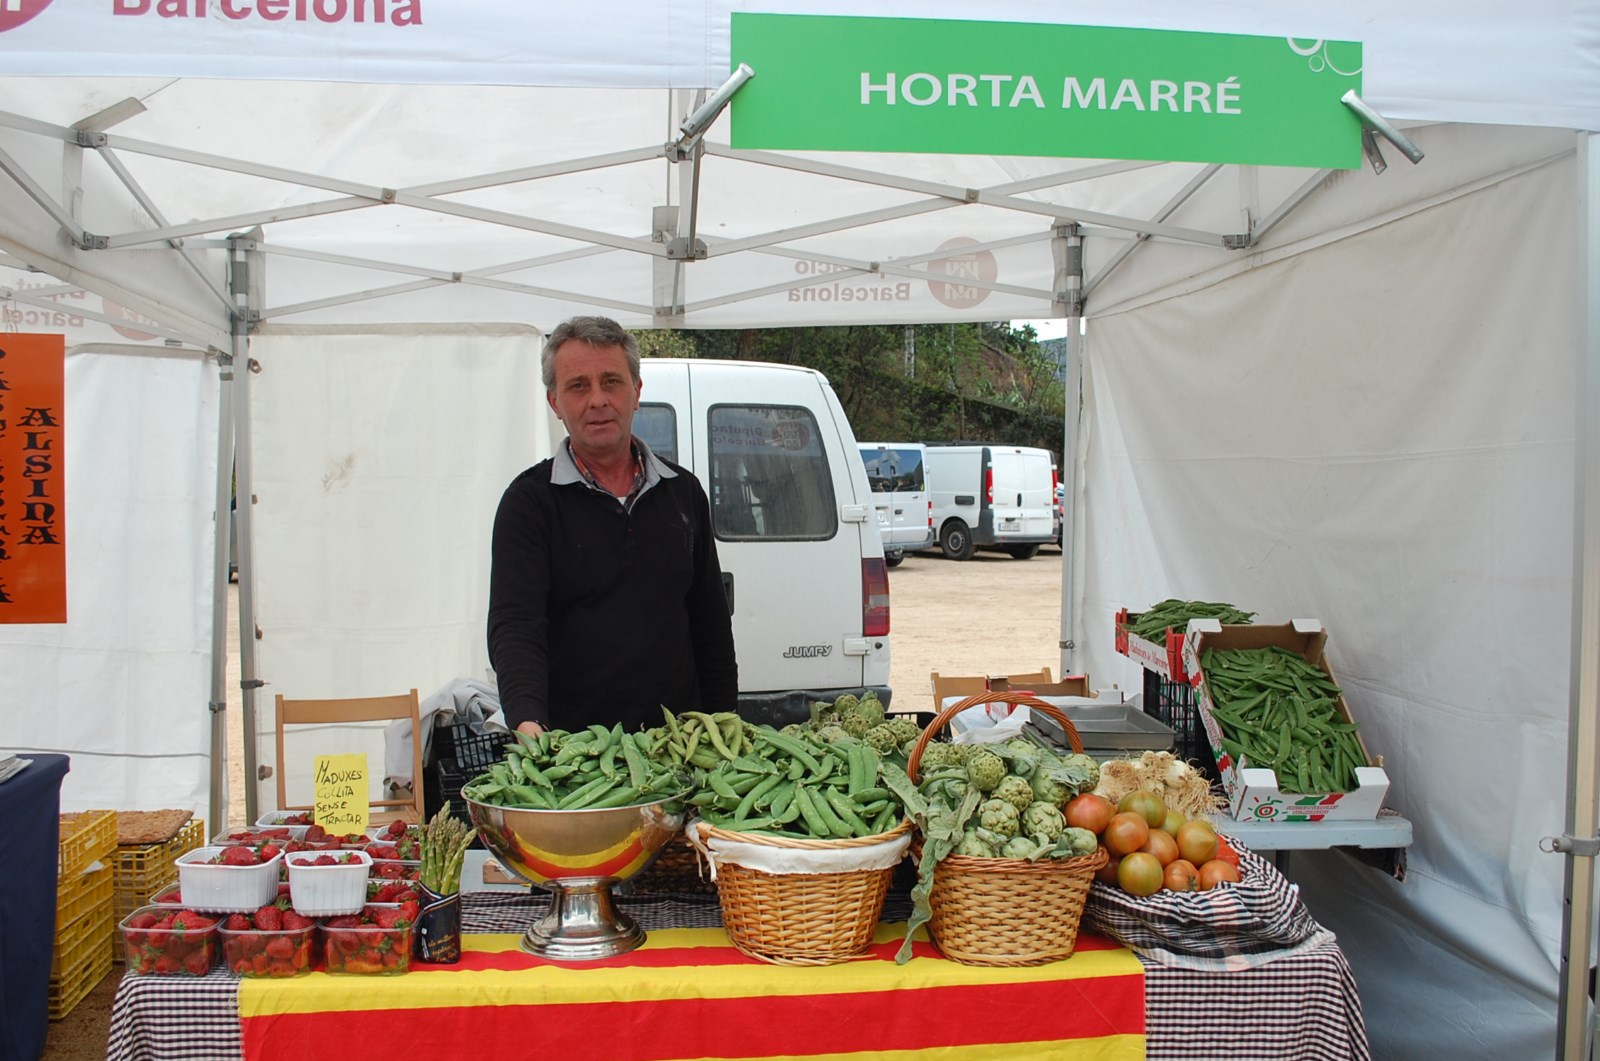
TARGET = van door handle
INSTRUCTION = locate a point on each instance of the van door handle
(966, 499)
(1019, 500)
(727, 588)
(857, 646)
(853, 513)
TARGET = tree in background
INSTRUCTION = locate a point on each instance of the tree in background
(926, 382)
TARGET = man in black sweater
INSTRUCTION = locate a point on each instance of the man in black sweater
(605, 595)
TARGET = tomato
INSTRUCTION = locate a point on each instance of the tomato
(1147, 805)
(1107, 874)
(1090, 812)
(1215, 872)
(1197, 841)
(1139, 874)
(1173, 822)
(1181, 876)
(1161, 845)
(1226, 853)
(1126, 834)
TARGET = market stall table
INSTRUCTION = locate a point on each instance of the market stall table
(1302, 1006)
(30, 802)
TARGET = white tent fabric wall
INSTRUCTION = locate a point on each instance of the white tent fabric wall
(380, 456)
(123, 686)
(1347, 434)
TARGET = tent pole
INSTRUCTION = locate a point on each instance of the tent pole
(1067, 248)
(1573, 1029)
(242, 260)
(217, 811)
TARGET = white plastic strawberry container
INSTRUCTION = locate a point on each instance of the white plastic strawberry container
(328, 891)
(226, 889)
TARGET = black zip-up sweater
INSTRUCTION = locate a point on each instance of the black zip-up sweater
(597, 614)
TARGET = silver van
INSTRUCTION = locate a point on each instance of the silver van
(992, 496)
(895, 472)
(796, 529)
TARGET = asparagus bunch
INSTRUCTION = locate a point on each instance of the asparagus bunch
(444, 845)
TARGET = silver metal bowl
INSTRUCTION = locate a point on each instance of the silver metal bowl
(578, 855)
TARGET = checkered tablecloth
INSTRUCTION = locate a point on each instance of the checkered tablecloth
(1304, 1007)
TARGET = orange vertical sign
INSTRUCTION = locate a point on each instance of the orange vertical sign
(33, 481)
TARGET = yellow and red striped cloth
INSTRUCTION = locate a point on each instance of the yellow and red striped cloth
(687, 993)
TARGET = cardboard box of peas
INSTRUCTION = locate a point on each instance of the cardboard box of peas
(1285, 742)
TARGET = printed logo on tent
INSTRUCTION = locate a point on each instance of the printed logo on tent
(123, 313)
(958, 292)
(14, 13)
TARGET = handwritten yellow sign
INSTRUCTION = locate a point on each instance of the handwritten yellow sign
(343, 802)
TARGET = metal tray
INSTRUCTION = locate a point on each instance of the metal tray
(1106, 729)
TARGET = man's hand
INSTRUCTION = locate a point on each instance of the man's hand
(532, 729)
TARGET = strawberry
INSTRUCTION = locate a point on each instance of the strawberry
(142, 920)
(189, 921)
(269, 919)
(342, 921)
(386, 916)
(280, 947)
(409, 911)
(293, 922)
(383, 851)
(322, 860)
(396, 828)
(269, 852)
(239, 856)
(166, 964)
(316, 834)
(198, 963)
(165, 922)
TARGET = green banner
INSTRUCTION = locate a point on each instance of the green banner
(1005, 88)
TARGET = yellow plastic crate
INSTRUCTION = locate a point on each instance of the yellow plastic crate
(144, 869)
(76, 896)
(78, 942)
(86, 838)
(72, 982)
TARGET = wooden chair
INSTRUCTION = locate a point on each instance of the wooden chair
(972, 684)
(401, 706)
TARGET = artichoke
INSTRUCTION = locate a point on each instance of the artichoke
(853, 724)
(833, 734)
(1082, 841)
(1021, 847)
(998, 816)
(1086, 763)
(793, 729)
(870, 708)
(1043, 819)
(985, 769)
(974, 846)
(939, 753)
(846, 703)
(904, 729)
(1046, 789)
(1015, 791)
(882, 739)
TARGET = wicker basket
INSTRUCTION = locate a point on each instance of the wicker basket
(1006, 911)
(801, 918)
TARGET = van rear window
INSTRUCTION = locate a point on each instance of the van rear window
(657, 424)
(770, 478)
(890, 470)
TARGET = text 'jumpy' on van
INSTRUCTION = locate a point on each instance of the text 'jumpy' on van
(991, 496)
(796, 530)
(895, 472)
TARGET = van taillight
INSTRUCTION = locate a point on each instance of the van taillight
(988, 486)
(874, 597)
(930, 515)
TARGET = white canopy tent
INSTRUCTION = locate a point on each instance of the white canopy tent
(1309, 392)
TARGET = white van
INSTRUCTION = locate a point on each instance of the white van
(1000, 496)
(796, 529)
(900, 488)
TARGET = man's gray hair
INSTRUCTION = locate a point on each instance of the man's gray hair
(596, 331)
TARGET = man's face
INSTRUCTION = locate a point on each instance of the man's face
(595, 396)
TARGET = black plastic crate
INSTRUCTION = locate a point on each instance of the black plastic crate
(1172, 702)
(472, 751)
(451, 777)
